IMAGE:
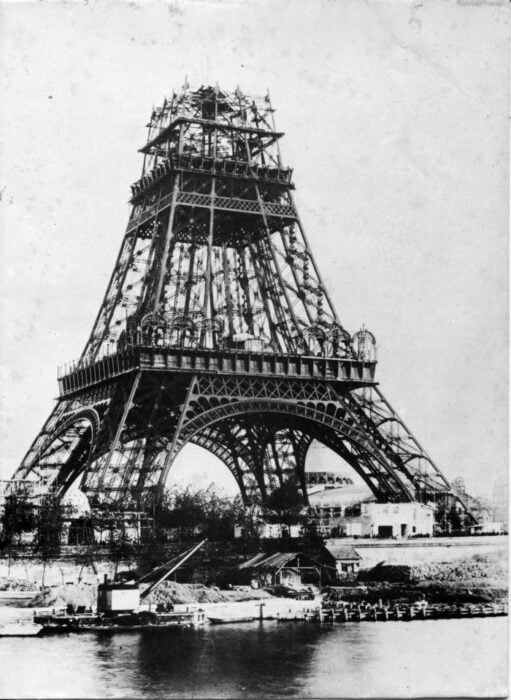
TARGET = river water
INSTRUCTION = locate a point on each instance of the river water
(265, 659)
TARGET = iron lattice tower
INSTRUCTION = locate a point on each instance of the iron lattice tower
(216, 329)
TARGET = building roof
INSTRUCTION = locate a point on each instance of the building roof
(343, 496)
(273, 561)
(343, 553)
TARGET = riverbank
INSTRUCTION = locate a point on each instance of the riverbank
(216, 559)
(167, 593)
(477, 579)
(480, 577)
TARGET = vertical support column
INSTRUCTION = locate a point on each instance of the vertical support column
(249, 315)
(207, 339)
(115, 442)
(259, 278)
(295, 276)
(300, 448)
(276, 459)
(170, 454)
(207, 305)
(117, 278)
(168, 237)
(227, 287)
(189, 281)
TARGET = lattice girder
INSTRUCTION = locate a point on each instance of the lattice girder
(150, 416)
(212, 209)
(217, 329)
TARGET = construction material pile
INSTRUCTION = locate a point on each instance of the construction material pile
(8, 583)
(480, 578)
(61, 596)
(479, 570)
(172, 592)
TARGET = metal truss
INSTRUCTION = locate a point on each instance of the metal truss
(217, 329)
(214, 238)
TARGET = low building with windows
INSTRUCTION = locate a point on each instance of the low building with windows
(392, 520)
(347, 560)
(327, 507)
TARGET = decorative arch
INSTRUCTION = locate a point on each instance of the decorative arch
(67, 456)
(341, 435)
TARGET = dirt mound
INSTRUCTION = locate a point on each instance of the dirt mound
(393, 573)
(478, 570)
(16, 584)
(166, 592)
(172, 592)
(61, 596)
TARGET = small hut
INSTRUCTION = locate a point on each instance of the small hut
(292, 569)
(347, 560)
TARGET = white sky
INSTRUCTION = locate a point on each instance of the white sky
(395, 116)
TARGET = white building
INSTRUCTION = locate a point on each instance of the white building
(372, 519)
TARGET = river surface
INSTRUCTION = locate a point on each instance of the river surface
(269, 659)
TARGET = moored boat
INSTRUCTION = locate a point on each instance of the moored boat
(15, 629)
(228, 617)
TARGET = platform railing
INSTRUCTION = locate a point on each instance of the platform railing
(79, 375)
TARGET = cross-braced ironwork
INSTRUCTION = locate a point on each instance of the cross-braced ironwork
(216, 329)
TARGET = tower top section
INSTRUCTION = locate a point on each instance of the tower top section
(212, 122)
(226, 133)
(215, 256)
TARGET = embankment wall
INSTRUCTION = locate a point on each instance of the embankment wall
(72, 565)
(419, 551)
(59, 571)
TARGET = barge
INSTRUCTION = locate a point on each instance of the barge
(52, 624)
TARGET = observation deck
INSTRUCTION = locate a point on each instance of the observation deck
(225, 168)
(350, 372)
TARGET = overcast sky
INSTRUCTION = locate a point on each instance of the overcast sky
(395, 116)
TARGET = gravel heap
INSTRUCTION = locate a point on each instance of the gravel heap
(166, 592)
(172, 592)
(478, 570)
(17, 584)
(61, 596)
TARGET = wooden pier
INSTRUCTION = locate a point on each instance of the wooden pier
(350, 612)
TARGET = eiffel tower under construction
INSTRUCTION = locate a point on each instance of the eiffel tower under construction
(217, 329)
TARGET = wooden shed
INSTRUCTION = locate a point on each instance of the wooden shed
(291, 569)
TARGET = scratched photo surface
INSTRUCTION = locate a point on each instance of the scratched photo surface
(394, 121)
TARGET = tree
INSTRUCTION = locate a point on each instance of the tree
(49, 530)
(222, 514)
(250, 517)
(121, 546)
(285, 504)
(17, 517)
(185, 508)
